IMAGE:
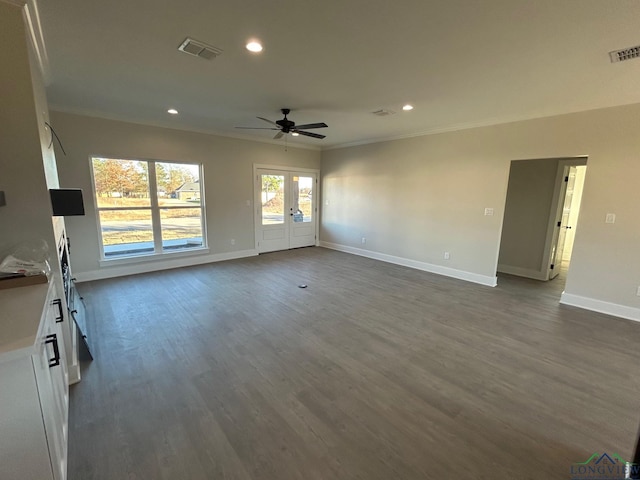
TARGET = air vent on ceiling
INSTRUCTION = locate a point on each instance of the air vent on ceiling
(383, 113)
(199, 49)
(625, 54)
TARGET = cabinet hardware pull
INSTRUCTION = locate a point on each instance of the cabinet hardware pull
(53, 339)
(58, 303)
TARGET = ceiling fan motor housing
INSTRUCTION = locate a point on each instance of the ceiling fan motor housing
(286, 124)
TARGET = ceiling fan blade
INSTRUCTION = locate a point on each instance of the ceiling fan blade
(278, 135)
(309, 134)
(268, 121)
(258, 128)
(313, 125)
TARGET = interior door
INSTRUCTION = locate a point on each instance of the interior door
(286, 213)
(562, 226)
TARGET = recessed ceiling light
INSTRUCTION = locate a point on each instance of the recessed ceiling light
(254, 46)
(295, 134)
(172, 111)
(407, 107)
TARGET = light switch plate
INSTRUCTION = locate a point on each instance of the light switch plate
(610, 218)
(488, 212)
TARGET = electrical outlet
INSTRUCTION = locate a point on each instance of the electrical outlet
(488, 212)
(248, 203)
(638, 292)
(326, 202)
(364, 240)
(447, 256)
(233, 241)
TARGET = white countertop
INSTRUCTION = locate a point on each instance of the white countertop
(20, 313)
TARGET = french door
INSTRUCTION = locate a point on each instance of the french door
(286, 209)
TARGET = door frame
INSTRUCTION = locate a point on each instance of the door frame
(257, 187)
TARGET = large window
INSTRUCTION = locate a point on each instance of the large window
(147, 207)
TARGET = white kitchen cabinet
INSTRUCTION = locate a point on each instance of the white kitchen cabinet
(34, 397)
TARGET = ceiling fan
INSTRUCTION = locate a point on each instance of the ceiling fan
(287, 126)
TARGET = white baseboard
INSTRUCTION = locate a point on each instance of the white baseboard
(630, 313)
(406, 262)
(522, 272)
(154, 266)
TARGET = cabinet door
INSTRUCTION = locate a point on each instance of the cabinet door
(59, 373)
(48, 364)
(64, 324)
(24, 453)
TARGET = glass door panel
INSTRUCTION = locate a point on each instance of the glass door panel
(302, 204)
(272, 199)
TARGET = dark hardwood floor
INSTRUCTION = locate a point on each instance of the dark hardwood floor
(375, 371)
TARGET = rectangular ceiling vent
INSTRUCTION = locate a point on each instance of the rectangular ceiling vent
(199, 49)
(625, 54)
(383, 113)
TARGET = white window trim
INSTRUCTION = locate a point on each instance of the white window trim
(154, 207)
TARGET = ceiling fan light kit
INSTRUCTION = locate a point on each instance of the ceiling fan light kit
(254, 46)
(288, 126)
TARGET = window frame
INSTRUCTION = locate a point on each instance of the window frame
(154, 208)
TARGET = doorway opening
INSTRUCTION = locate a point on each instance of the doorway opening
(541, 217)
(286, 213)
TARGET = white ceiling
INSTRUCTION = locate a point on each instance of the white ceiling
(461, 63)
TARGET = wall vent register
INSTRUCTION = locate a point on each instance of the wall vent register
(199, 49)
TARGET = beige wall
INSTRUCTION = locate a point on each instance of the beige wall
(528, 205)
(228, 181)
(419, 197)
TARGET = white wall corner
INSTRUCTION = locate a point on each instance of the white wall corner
(490, 281)
(34, 28)
(600, 306)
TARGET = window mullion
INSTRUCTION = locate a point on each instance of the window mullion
(156, 223)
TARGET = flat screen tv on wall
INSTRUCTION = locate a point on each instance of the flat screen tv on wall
(66, 202)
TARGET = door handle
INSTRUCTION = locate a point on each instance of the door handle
(53, 339)
(58, 303)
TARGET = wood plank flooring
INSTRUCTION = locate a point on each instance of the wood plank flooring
(375, 371)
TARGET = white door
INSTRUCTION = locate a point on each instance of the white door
(566, 196)
(286, 209)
